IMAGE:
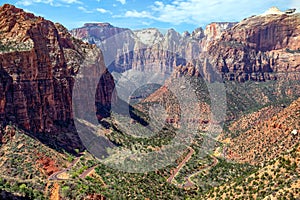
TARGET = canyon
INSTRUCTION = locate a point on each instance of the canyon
(40, 61)
(234, 85)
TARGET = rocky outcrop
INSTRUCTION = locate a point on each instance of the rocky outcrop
(252, 50)
(213, 32)
(105, 95)
(268, 138)
(38, 63)
(92, 32)
(115, 43)
(258, 48)
(147, 49)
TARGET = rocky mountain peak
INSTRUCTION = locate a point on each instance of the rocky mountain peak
(259, 48)
(186, 34)
(125, 49)
(8, 9)
(214, 30)
(273, 11)
(172, 35)
(16, 19)
(198, 33)
(100, 24)
(172, 31)
(269, 39)
(149, 36)
(95, 33)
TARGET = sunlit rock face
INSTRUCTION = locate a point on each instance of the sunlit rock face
(258, 48)
(39, 61)
(148, 49)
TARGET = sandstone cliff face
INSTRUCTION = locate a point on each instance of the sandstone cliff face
(147, 49)
(91, 32)
(213, 31)
(112, 41)
(250, 50)
(38, 63)
(258, 48)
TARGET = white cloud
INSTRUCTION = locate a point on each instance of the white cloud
(85, 10)
(50, 2)
(134, 13)
(102, 10)
(194, 11)
(30, 2)
(24, 3)
(122, 1)
(71, 1)
(199, 12)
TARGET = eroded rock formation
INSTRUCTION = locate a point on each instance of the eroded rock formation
(258, 48)
(146, 49)
(39, 61)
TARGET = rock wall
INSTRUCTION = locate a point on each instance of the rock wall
(39, 61)
(258, 48)
(143, 50)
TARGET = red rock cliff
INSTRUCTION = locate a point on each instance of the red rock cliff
(38, 63)
(258, 48)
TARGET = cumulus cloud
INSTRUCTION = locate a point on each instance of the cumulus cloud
(50, 2)
(85, 10)
(30, 2)
(102, 10)
(134, 13)
(202, 11)
(122, 1)
(71, 1)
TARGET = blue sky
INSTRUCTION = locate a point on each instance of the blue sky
(136, 14)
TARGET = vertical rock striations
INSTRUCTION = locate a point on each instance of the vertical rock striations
(38, 63)
(147, 49)
(259, 48)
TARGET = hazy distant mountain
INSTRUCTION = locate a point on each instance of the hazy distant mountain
(148, 49)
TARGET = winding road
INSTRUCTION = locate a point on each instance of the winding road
(55, 176)
(189, 183)
(176, 170)
(87, 172)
